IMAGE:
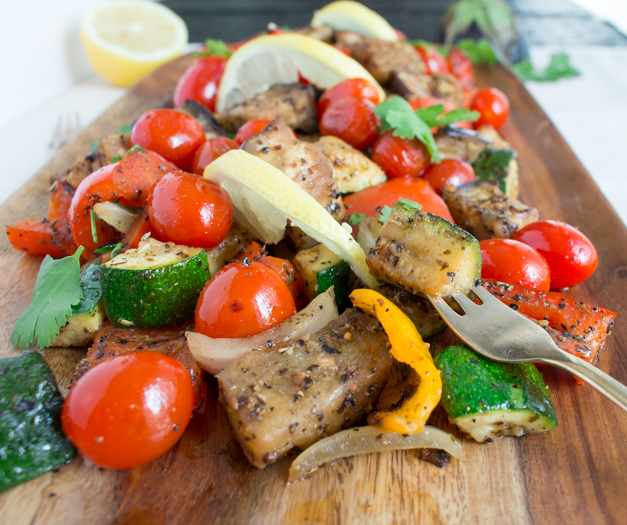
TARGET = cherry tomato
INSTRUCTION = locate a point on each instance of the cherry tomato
(513, 262)
(351, 119)
(400, 157)
(434, 61)
(130, 179)
(387, 193)
(400, 34)
(129, 410)
(190, 210)
(250, 128)
(243, 300)
(172, 134)
(571, 256)
(210, 151)
(139, 228)
(493, 106)
(200, 82)
(452, 172)
(461, 67)
(352, 87)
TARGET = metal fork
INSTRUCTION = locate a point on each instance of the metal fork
(499, 333)
(68, 126)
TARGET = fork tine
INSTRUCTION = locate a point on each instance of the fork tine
(464, 301)
(483, 294)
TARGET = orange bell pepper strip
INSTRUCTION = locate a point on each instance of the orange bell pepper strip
(411, 413)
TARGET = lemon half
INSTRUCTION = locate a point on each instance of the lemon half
(125, 40)
(264, 198)
(353, 16)
(277, 59)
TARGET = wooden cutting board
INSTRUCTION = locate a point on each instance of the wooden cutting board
(575, 474)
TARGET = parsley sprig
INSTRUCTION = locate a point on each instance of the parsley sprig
(559, 67)
(57, 290)
(385, 212)
(397, 115)
(215, 48)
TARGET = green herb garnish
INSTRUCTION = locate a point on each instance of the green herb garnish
(356, 218)
(94, 232)
(479, 51)
(92, 291)
(93, 146)
(113, 248)
(215, 48)
(559, 67)
(57, 290)
(385, 212)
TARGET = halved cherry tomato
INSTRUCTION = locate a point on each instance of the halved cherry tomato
(460, 66)
(250, 128)
(130, 179)
(570, 255)
(129, 410)
(241, 300)
(139, 228)
(513, 262)
(200, 82)
(400, 157)
(351, 119)
(190, 210)
(51, 236)
(210, 151)
(387, 193)
(352, 87)
(451, 172)
(434, 61)
(493, 106)
(170, 133)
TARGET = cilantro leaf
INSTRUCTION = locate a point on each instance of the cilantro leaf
(93, 146)
(92, 291)
(419, 43)
(215, 48)
(356, 218)
(559, 67)
(116, 158)
(396, 114)
(411, 204)
(434, 116)
(110, 248)
(94, 232)
(57, 290)
(124, 129)
(479, 51)
(385, 214)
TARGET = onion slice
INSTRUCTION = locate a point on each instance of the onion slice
(363, 440)
(214, 355)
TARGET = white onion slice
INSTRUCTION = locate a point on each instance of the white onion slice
(364, 440)
(116, 215)
(214, 355)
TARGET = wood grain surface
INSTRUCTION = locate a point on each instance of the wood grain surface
(574, 475)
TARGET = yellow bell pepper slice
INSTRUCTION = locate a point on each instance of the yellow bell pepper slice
(411, 414)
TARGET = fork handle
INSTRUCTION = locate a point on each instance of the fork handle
(605, 384)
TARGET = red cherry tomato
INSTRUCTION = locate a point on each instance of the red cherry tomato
(449, 172)
(351, 119)
(129, 410)
(200, 82)
(189, 210)
(400, 157)
(571, 256)
(434, 61)
(250, 128)
(387, 193)
(243, 300)
(352, 87)
(493, 106)
(210, 151)
(461, 67)
(400, 34)
(513, 262)
(172, 134)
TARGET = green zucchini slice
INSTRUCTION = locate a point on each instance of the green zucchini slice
(31, 439)
(156, 285)
(320, 268)
(489, 400)
(500, 165)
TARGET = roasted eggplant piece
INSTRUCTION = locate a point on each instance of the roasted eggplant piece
(446, 87)
(300, 161)
(459, 143)
(352, 170)
(204, 117)
(409, 86)
(484, 211)
(294, 395)
(500, 165)
(296, 103)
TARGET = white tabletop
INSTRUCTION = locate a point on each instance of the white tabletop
(590, 111)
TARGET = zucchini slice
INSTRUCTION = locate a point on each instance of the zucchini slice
(489, 400)
(156, 285)
(31, 439)
(500, 165)
(424, 253)
(320, 268)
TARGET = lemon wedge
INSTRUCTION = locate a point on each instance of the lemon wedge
(125, 40)
(277, 59)
(264, 198)
(353, 16)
